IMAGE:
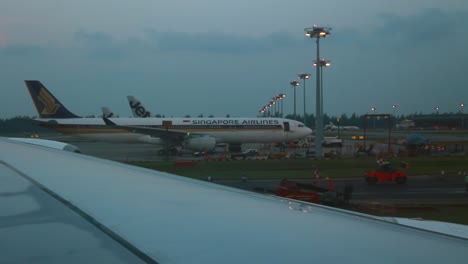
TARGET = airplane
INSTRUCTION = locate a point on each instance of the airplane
(63, 207)
(332, 126)
(191, 133)
(138, 109)
(106, 112)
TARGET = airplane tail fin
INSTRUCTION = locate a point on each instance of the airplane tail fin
(106, 112)
(138, 110)
(108, 122)
(46, 104)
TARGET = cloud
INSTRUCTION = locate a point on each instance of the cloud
(424, 28)
(397, 62)
(21, 50)
(215, 42)
(102, 45)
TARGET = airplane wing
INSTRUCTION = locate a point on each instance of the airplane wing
(169, 134)
(62, 207)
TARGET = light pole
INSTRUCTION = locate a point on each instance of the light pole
(273, 103)
(338, 122)
(394, 109)
(318, 32)
(276, 106)
(322, 63)
(373, 109)
(304, 77)
(281, 97)
(294, 84)
(462, 105)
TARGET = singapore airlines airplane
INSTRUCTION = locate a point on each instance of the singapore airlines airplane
(191, 133)
(62, 207)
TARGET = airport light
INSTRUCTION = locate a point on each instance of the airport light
(318, 32)
(394, 108)
(304, 77)
(294, 84)
(323, 63)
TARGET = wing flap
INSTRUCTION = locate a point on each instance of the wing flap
(166, 134)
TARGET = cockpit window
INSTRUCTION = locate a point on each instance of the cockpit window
(300, 125)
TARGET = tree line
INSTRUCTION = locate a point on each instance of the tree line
(26, 125)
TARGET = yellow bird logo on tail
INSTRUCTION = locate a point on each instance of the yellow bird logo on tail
(50, 106)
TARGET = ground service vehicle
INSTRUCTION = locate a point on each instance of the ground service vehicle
(313, 193)
(386, 172)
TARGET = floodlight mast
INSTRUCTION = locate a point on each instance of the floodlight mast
(322, 63)
(294, 84)
(318, 32)
(281, 97)
(462, 105)
(304, 77)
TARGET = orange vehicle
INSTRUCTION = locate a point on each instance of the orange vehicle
(385, 172)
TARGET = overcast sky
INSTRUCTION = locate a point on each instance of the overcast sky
(231, 57)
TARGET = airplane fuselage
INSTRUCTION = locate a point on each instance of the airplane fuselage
(224, 130)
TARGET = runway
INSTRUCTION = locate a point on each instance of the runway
(417, 188)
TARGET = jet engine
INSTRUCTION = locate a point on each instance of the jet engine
(200, 143)
(150, 140)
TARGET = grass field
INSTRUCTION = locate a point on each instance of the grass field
(305, 168)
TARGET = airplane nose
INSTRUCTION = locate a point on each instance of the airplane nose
(308, 131)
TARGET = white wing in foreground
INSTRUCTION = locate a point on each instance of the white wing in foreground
(63, 207)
